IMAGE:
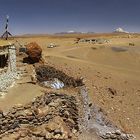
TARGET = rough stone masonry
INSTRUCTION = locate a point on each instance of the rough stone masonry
(8, 78)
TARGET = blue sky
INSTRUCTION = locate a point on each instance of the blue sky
(50, 16)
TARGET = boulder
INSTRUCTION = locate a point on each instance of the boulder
(34, 52)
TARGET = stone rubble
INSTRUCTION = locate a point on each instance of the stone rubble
(47, 73)
(95, 119)
(51, 116)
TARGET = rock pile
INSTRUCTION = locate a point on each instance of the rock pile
(94, 119)
(117, 135)
(51, 116)
(45, 73)
(105, 128)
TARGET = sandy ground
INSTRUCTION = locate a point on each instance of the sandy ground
(101, 67)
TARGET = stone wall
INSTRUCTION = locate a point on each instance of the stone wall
(8, 78)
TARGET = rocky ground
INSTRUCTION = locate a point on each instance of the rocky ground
(58, 116)
(50, 116)
(107, 109)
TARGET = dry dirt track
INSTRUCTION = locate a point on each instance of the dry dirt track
(102, 68)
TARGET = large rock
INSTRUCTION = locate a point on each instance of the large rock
(34, 52)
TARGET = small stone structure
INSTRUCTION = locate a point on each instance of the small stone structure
(94, 41)
(8, 76)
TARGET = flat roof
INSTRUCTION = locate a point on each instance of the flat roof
(4, 43)
(3, 53)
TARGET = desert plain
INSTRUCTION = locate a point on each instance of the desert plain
(110, 71)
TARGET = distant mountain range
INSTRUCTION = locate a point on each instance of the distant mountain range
(74, 32)
(118, 30)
